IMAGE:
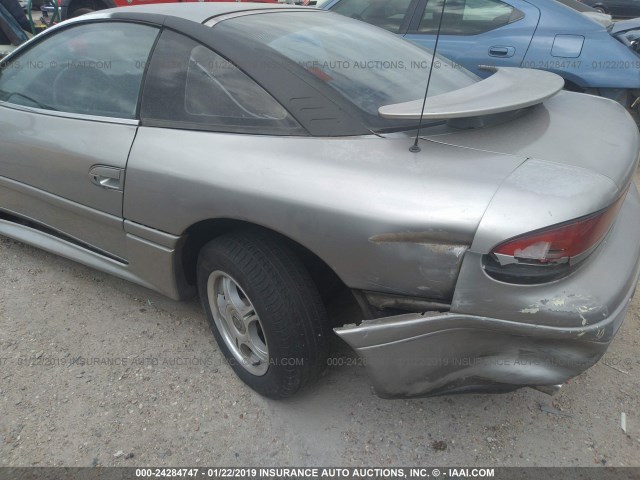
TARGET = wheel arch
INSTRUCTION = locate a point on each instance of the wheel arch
(199, 234)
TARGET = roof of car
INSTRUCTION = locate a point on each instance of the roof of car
(200, 11)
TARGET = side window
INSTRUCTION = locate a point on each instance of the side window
(90, 69)
(193, 87)
(467, 17)
(387, 14)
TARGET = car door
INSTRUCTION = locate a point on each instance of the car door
(68, 107)
(392, 15)
(476, 32)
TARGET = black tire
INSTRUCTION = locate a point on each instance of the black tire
(80, 11)
(600, 9)
(291, 313)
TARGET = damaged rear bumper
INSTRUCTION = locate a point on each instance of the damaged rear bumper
(433, 353)
(417, 354)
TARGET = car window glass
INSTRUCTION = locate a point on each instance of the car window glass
(91, 69)
(192, 85)
(387, 14)
(467, 17)
(368, 67)
(237, 96)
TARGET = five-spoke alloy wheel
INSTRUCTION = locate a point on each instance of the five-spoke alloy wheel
(236, 319)
(264, 310)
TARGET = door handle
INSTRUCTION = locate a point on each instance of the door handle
(106, 177)
(500, 51)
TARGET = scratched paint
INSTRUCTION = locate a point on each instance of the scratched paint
(530, 310)
(583, 306)
(433, 237)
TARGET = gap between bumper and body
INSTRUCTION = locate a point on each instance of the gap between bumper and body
(423, 354)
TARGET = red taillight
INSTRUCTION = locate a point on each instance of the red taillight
(560, 243)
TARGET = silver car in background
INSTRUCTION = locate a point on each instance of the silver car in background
(260, 156)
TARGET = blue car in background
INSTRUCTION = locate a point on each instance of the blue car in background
(591, 52)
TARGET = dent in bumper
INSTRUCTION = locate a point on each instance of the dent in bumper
(421, 354)
(432, 353)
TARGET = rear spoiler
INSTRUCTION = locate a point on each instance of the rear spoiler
(508, 89)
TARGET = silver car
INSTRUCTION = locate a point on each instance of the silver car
(266, 157)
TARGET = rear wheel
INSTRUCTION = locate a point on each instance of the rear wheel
(80, 11)
(264, 310)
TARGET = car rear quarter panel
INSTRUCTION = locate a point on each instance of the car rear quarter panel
(603, 61)
(592, 293)
(574, 168)
(383, 218)
(483, 343)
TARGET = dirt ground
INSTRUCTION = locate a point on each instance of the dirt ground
(166, 398)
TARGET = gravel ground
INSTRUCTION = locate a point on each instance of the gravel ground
(168, 399)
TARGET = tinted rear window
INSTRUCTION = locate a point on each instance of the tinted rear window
(366, 65)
